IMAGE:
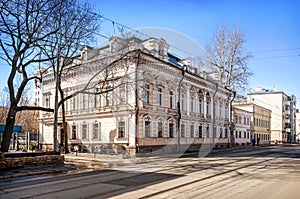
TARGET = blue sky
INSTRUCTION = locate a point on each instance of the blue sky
(271, 27)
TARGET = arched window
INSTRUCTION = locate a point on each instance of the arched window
(171, 128)
(160, 128)
(182, 130)
(147, 127)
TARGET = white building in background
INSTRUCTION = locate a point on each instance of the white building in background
(297, 125)
(282, 108)
(242, 130)
(160, 104)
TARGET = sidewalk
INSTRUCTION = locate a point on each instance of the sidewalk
(36, 170)
(82, 161)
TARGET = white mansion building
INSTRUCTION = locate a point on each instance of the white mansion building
(134, 93)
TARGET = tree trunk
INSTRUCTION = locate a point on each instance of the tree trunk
(65, 128)
(10, 122)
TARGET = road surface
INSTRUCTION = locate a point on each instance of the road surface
(266, 172)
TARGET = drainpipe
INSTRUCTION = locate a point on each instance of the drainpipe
(232, 126)
(214, 112)
(178, 108)
(137, 104)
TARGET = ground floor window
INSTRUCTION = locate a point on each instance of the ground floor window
(121, 129)
(147, 129)
(182, 130)
(171, 130)
(84, 132)
(74, 133)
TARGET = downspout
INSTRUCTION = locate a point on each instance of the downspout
(136, 104)
(231, 120)
(178, 109)
(214, 112)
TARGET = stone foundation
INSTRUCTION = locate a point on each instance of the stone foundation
(15, 162)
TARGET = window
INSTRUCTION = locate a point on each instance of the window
(200, 131)
(248, 135)
(236, 134)
(96, 98)
(182, 130)
(248, 121)
(245, 120)
(108, 98)
(122, 94)
(96, 134)
(74, 103)
(200, 106)
(47, 101)
(171, 99)
(192, 131)
(84, 131)
(147, 129)
(192, 104)
(183, 102)
(159, 97)
(240, 134)
(121, 129)
(226, 133)
(207, 131)
(215, 132)
(146, 94)
(236, 119)
(221, 132)
(171, 130)
(160, 129)
(240, 120)
(84, 101)
(208, 107)
(84, 56)
(74, 133)
(245, 134)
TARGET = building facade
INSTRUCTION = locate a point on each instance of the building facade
(260, 121)
(282, 116)
(138, 96)
(242, 131)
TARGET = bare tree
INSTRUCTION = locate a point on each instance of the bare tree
(226, 51)
(29, 32)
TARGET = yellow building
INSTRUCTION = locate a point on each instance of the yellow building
(260, 121)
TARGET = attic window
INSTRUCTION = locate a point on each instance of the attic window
(84, 55)
(161, 49)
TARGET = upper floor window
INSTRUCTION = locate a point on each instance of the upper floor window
(183, 101)
(122, 94)
(159, 97)
(146, 94)
(108, 96)
(200, 106)
(192, 104)
(171, 99)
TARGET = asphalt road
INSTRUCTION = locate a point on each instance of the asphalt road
(266, 172)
